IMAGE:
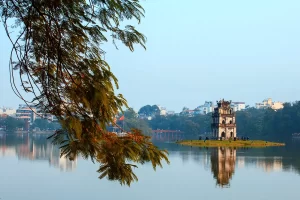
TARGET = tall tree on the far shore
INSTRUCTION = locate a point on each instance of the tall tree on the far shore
(149, 110)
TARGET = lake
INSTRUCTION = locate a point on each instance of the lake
(32, 170)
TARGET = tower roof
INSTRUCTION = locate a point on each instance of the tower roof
(223, 103)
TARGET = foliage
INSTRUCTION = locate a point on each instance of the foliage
(2, 122)
(133, 122)
(59, 58)
(251, 122)
(191, 126)
(130, 114)
(228, 143)
(134, 147)
(41, 123)
(11, 123)
(269, 123)
(149, 111)
(44, 124)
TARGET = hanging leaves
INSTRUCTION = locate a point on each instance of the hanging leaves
(59, 58)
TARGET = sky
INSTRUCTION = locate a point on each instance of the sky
(201, 51)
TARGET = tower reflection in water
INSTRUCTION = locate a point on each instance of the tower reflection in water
(223, 164)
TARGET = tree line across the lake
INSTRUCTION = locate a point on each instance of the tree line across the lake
(11, 124)
(251, 122)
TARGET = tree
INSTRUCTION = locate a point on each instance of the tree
(2, 122)
(130, 114)
(41, 123)
(149, 110)
(44, 124)
(58, 56)
(12, 123)
(131, 121)
(145, 110)
(155, 110)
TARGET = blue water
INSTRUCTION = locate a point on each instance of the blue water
(31, 169)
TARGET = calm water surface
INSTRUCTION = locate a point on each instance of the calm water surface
(32, 170)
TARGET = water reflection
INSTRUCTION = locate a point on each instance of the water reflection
(226, 163)
(223, 164)
(268, 164)
(34, 148)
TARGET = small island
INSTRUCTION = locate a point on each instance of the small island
(229, 143)
(224, 132)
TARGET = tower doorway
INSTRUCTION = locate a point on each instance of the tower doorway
(223, 134)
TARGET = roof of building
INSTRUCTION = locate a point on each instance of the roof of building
(23, 117)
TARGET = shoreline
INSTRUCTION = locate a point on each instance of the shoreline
(227, 143)
(27, 132)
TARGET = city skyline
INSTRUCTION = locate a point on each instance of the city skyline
(165, 107)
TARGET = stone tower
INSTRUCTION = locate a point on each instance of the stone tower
(223, 124)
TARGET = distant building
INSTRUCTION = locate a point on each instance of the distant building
(7, 111)
(187, 112)
(42, 115)
(223, 121)
(26, 113)
(238, 106)
(163, 111)
(268, 103)
(277, 105)
(197, 111)
(32, 113)
(206, 108)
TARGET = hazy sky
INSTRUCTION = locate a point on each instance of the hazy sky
(203, 50)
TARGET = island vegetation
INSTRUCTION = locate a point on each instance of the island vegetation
(230, 143)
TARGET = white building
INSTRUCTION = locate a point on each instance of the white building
(277, 105)
(42, 115)
(7, 111)
(206, 108)
(268, 103)
(238, 106)
(163, 111)
(25, 113)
